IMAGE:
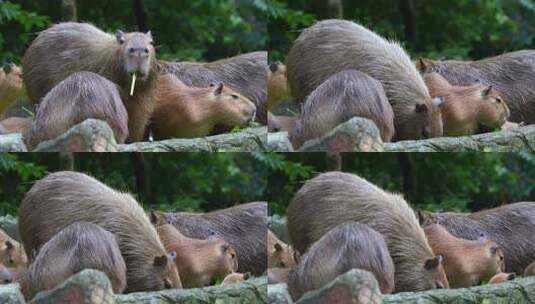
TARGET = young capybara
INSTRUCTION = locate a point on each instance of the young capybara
(466, 107)
(347, 246)
(11, 252)
(199, 262)
(80, 96)
(245, 73)
(342, 96)
(235, 277)
(70, 47)
(182, 111)
(78, 246)
(244, 227)
(279, 253)
(502, 277)
(281, 123)
(332, 198)
(62, 198)
(11, 85)
(278, 275)
(16, 125)
(510, 226)
(332, 46)
(466, 263)
(277, 84)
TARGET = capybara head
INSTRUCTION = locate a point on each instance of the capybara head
(137, 52)
(235, 109)
(165, 272)
(434, 273)
(429, 123)
(5, 275)
(279, 253)
(12, 76)
(12, 253)
(494, 110)
(277, 84)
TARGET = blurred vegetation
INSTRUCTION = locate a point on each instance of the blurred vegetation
(429, 181)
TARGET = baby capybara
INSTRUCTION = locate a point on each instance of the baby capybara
(76, 247)
(342, 96)
(11, 252)
(279, 253)
(62, 198)
(78, 97)
(244, 227)
(67, 48)
(333, 198)
(199, 262)
(467, 107)
(182, 111)
(345, 247)
(11, 85)
(277, 84)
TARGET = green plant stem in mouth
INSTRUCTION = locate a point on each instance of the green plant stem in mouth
(134, 75)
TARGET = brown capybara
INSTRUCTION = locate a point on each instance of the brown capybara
(62, 198)
(70, 47)
(12, 253)
(245, 74)
(511, 74)
(199, 262)
(278, 275)
(244, 227)
(510, 226)
(467, 107)
(277, 84)
(80, 96)
(466, 263)
(79, 246)
(339, 98)
(16, 125)
(11, 85)
(182, 111)
(281, 123)
(235, 277)
(279, 253)
(530, 270)
(332, 198)
(502, 277)
(332, 46)
(347, 246)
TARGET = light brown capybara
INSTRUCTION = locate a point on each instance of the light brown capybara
(333, 198)
(281, 123)
(67, 48)
(80, 96)
(502, 277)
(277, 83)
(11, 85)
(15, 125)
(12, 253)
(347, 246)
(278, 275)
(279, 253)
(243, 226)
(182, 111)
(62, 198)
(332, 46)
(235, 277)
(199, 262)
(467, 107)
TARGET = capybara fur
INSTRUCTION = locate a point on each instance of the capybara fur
(332, 198)
(5, 275)
(199, 262)
(332, 46)
(511, 74)
(80, 96)
(347, 246)
(182, 111)
(12, 253)
(530, 270)
(502, 277)
(278, 275)
(244, 227)
(62, 198)
(79, 246)
(70, 47)
(342, 96)
(279, 253)
(281, 123)
(11, 85)
(467, 107)
(245, 74)
(277, 84)
(466, 262)
(235, 277)
(16, 125)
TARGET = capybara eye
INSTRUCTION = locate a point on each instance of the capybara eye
(146, 50)
(131, 50)
(234, 96)
(498, 100)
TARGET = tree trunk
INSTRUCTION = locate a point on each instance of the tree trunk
(142, 180)
(408, 12)
(66, 161)
(333, 161)
(327, 9)
(69, 10)
(141, 16)
(408, 172)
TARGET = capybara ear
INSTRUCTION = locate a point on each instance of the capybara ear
(278, 247)
(486, 92)
(149, 34)
(274, 66)
(157, 218)
(439, 101)
(8, 67)
(421, 108)
(160, 261)
(120, 36)
(9, 245)
(424, 217)
(424, 65)
(433, 263)
(219, 89)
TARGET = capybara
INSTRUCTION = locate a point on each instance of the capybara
(5, 275)
(511, 74)
(235, 277)
(70, 47)
(466, 263)
(278, 275)
(347, 246)
(332, 46)
(182, 111)
(281, 123)
(16, 125)
(78, 246)
(279, 253)
(502, 277)
(62, 198)
(80, 96)
(11, 85)
(244, 227)
(277, 84)
(467, 107)
(530, 270)
(245, 73)
(11, 252)
(342, 96)
(332, 198)
(510, 226)
(199, 262)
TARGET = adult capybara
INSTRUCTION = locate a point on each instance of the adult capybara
(333, 198)
(278, 275)
(245, 73)
(502, 277)
(11, 85)
(62, 198)
(511, 74)
(332, 46)
(80, 96)
(277, 84)
(70, 47)
(235, 277)
(281, 123)
(347, 246)
(16, 125)
(342, 96)
(466, 263)
(182, 111)
(510, 226)
(467, 107)
(199, 262)
(79, 246)
(11, 252)
(279, 253)
(244, 227)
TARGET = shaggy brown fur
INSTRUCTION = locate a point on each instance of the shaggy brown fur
(11, 86)
(277, 84)
(11, 252)
(16, 125)
(279, 253)
(502, 277)
(278, 275)
(279, 123)
(235, 277)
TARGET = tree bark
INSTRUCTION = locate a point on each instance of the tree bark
(66, 161)
(408, 12)
(408, 172)
(141, 16)
(142, 179)
(333, 161)
(69, 10)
